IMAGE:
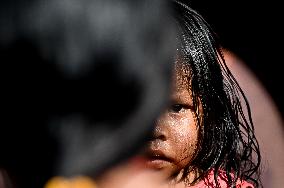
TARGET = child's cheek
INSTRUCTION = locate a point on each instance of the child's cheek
(184, 136)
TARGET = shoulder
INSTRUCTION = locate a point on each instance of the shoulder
(209, 182)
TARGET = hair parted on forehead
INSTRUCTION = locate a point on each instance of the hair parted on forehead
(227, 136)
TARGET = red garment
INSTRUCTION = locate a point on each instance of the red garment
(209, 182)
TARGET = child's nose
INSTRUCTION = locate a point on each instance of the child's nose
(160, 131)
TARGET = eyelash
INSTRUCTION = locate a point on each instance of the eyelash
(177, 108)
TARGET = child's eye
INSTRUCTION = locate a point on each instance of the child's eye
(176, 108)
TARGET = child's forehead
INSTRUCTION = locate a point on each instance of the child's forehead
(182, 75)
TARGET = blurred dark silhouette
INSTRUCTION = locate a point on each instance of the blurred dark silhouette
(83, 82)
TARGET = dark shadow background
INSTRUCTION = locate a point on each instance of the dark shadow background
(253, 31)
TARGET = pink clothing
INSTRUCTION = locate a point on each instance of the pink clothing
(209, 182)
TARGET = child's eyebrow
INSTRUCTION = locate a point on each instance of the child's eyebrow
(182, 96)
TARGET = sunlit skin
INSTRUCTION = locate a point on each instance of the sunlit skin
(175, 136)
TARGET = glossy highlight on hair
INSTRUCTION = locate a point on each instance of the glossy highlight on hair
(227, 140)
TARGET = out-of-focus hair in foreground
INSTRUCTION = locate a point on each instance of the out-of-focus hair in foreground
(83, 83)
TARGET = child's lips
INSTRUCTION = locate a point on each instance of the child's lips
(157, 159)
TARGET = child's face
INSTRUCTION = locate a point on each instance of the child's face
(176, 133)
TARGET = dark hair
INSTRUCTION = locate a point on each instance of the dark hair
(227, 140)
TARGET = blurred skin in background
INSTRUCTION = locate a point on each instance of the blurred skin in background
(129, 174)
(267, 121)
